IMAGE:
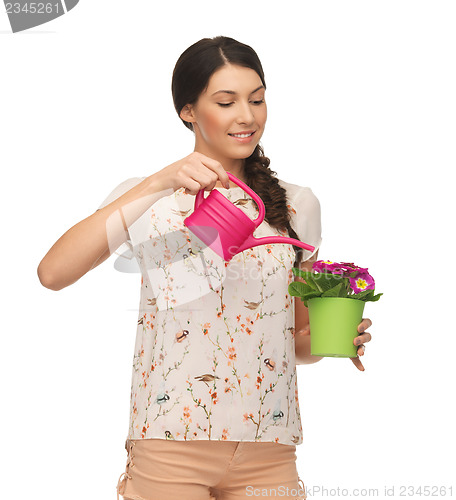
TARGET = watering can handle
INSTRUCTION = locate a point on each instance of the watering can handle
(251, 240)
(256, 198)
(261, 210)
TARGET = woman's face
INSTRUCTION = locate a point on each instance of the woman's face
(240, 107)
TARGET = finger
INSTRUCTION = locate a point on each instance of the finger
(357, 363)
(360, 339)
(361, 350)
(305, 330)
(364, 325)
(217, 167)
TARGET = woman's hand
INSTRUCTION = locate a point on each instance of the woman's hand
(360, 339)
(194, 172)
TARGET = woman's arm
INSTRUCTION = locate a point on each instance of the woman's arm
(86, 245)
(302, 342)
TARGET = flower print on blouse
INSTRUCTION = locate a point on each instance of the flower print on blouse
(214, 357)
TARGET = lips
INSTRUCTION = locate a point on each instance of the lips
(245, 132)
(243, 140)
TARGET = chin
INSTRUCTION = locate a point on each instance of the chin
(244, 152)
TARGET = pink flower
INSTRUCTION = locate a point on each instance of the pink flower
(361, 282)
(352, 266)
(323, 265)
(344, 268)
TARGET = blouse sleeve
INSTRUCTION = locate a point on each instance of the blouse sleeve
(125, 249)
(308, 220)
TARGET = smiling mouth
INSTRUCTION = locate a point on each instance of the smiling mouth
(242, 136)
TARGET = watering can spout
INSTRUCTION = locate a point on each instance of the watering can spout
(251, 242)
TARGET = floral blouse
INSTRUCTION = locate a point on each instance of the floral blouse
(214, 357)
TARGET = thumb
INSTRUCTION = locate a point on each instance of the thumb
(305, 330)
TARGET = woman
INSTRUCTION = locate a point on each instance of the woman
(214, 399)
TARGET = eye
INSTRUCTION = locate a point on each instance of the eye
(230, 103)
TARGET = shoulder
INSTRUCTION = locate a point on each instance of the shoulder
(299, 194)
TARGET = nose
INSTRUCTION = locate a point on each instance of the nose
(246, 114)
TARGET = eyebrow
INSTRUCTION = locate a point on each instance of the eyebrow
(234, 93)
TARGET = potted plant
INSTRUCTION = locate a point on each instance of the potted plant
(335, 294)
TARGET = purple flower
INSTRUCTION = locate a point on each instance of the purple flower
(323, 265)
(361, 282)
(351, 267)
(344, 268)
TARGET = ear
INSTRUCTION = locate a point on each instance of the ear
(187, 113)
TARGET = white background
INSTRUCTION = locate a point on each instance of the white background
(361, 108)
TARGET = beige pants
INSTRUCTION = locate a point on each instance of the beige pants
(160, 469)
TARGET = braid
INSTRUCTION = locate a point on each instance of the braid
(259, 177)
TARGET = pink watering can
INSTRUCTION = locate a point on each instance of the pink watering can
(225, 228)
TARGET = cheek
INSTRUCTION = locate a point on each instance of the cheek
(263, 115)
(213, 125)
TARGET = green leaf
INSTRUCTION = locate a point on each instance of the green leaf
(343, 291)
(298, 272)
(365, 295)
(327, 281)
(306, 275)
(310, 296)
(333, 292)
(299, 289)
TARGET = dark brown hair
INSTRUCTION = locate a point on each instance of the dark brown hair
(191, 77)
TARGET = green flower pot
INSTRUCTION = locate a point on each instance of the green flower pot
(334, 325)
